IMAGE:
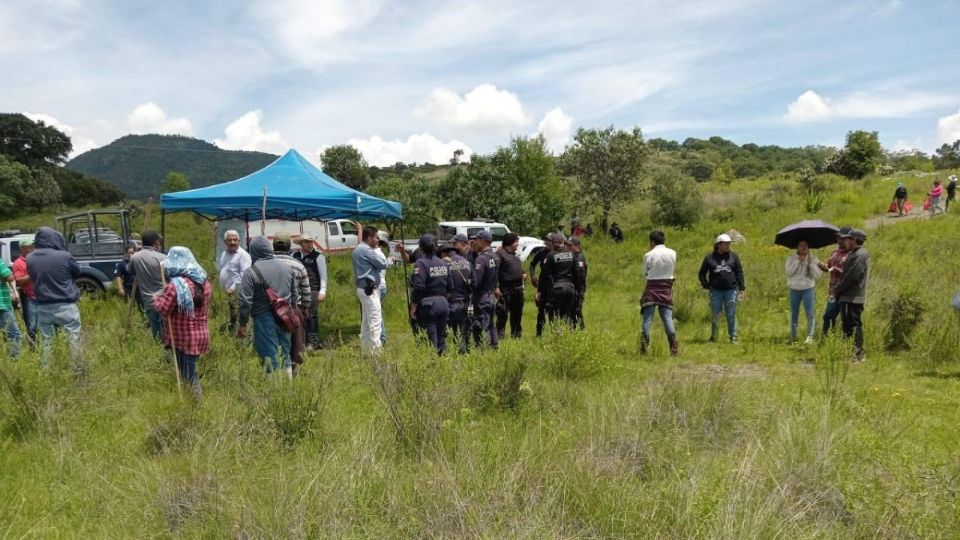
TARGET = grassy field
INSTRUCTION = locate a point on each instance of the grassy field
(572, 436)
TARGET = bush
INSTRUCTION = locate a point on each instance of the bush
(905, 313)
(677, 201)
(576, 355)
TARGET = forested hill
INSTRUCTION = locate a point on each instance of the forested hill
(138, 164)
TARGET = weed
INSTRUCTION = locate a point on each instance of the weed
(904, 313)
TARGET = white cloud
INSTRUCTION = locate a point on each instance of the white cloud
(80, 144)
(483, 108)
(555, 128)
(811, 107)
(245, 133)
(307, 28)
(948, 128)
(419, 148)
(150, 118)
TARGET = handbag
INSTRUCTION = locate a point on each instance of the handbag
(288, 316)
(927, 203)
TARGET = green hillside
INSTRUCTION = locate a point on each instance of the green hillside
(137, 164)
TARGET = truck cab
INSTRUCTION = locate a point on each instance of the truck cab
(97, 239)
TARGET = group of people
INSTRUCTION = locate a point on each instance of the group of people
(721, 274)
(466, 286)
(935, 197)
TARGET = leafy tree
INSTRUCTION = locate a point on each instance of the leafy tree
(677, 201)
(457, 155)
(530, 169)
(909, 160)
(78, 189)
(40, 191)
(24, 189)
(859, 157)
(700, 169)
(416, 194)
(32, 143)
(607, 164)
(346, 164)
(724, 173)
(947, 156)
(175, 182)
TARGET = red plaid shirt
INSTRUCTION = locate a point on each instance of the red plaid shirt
(192, 334)
(836, 260)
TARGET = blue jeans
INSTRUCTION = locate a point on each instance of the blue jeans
(383, 320)
(271, 342)
(30, 317)
(830, 315)
(666, 315)
(187, 363)
(723, 302)
(9, 322)
(155, 320)
(60, 316)
(796, 298)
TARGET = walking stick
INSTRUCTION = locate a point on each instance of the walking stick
(130, 301)
(173, 341)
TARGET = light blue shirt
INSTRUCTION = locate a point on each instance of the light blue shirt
(367, 264)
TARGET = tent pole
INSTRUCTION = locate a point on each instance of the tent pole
(163, 229)
(263, 213)
(406, 282)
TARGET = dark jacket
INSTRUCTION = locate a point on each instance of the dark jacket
(485, 275)
(276, 275)
(511, 271)
(856, 272)
(722, 272)
(431, 277)
(52, 269)
(560, 269)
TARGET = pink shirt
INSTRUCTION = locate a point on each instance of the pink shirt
(937, 191)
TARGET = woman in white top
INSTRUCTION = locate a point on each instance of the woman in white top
(802, 274)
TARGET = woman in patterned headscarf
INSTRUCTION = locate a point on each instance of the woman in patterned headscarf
(184, 303)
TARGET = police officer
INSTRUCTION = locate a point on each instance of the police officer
(464, 247)
(511, 278)
(431, 284)
(485, 274)
(461, 308)
(558, 278)
(542, 300)
(581, 279)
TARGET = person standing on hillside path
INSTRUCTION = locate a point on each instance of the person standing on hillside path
(900, 197)
(145, 265)
(8, 319)
(852, 292)
(951, 191)
(834, 267)
(803, 271)
(935, 194)
(615, 233)
(366, 271)
(658, 269)
(721, 273)
(316, 265)
(184, 304)
(28, 300)
(53, 272)
(511, 278)
(233, 262)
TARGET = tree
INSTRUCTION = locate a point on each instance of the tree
(40, 191)
(724, 173)
(346, 164)
(32, 143)
(699, 169)
(947, 156)
(416, 194)
(24, 189)
(607, 164)
(175, 182)
(677, 201)
(457, 154)
(859, 157)
(78, 189)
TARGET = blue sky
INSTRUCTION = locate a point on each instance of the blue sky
(414, 80)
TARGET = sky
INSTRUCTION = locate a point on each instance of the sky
(413, 81)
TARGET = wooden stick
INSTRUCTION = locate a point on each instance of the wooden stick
(130, 301)
(173, 341)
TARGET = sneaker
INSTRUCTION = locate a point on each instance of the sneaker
(808, 341)
(288, 372)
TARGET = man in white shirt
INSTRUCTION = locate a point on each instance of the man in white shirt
(658, 267)
(234, 261)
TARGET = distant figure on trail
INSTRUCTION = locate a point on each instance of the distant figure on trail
(834, 267)
(658, 268)
(184, 303)
(588, 231)
(802, 268)
(577, 230)
(28, 300)
(8, 318)
(53, 272)
(233, 262)
(951, 191)
(900, 197)
(852, 290)
(145, 265)
(722, 274)
(935, 195)
(615, 233)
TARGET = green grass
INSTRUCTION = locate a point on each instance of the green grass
(573, 436)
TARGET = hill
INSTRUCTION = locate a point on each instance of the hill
(137, 164)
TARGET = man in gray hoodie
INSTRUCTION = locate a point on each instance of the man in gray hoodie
(270, 340)
(52, 271)
(852, 291)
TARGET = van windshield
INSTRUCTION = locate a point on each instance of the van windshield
(446, 232)
(497, 233)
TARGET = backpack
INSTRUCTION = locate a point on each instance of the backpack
(286, 315)
(901, 193)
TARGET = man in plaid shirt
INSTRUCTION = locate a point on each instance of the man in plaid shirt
(834, 266)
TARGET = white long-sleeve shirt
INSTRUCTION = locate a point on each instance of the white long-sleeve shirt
(802, 275)
(231, 267)
(659, 263)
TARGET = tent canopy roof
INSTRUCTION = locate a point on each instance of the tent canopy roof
(295, 189)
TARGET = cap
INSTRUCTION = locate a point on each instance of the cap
(723, 238)
(305, 238)
(27, 243)
(857, 234)
(459, 237)
(446, 246)
(482, 235)
(428, 241)
(281, 238)
(845, 232)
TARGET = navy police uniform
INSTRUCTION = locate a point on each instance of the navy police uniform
(543, 306)
(485, 274)
(461, 273)
(431, 284)
(511, 294)
(558, 279)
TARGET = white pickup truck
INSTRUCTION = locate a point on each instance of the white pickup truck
(448, 229)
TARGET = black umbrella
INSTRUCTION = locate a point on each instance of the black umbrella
(817, 233)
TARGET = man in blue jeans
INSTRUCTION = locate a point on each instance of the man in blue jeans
(658, 267)
(52, 271)
(722, 274)
(145, 265)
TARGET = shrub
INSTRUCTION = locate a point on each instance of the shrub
(501, 385)
(813, 202)
(677, 200)
(576, 355)
(905, 313)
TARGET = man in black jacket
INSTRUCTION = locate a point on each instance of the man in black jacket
(511, 278)
(722, 274)
(851, 292)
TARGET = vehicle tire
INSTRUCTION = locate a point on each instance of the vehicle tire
(89, 286)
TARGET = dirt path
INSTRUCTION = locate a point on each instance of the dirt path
(889, 219)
